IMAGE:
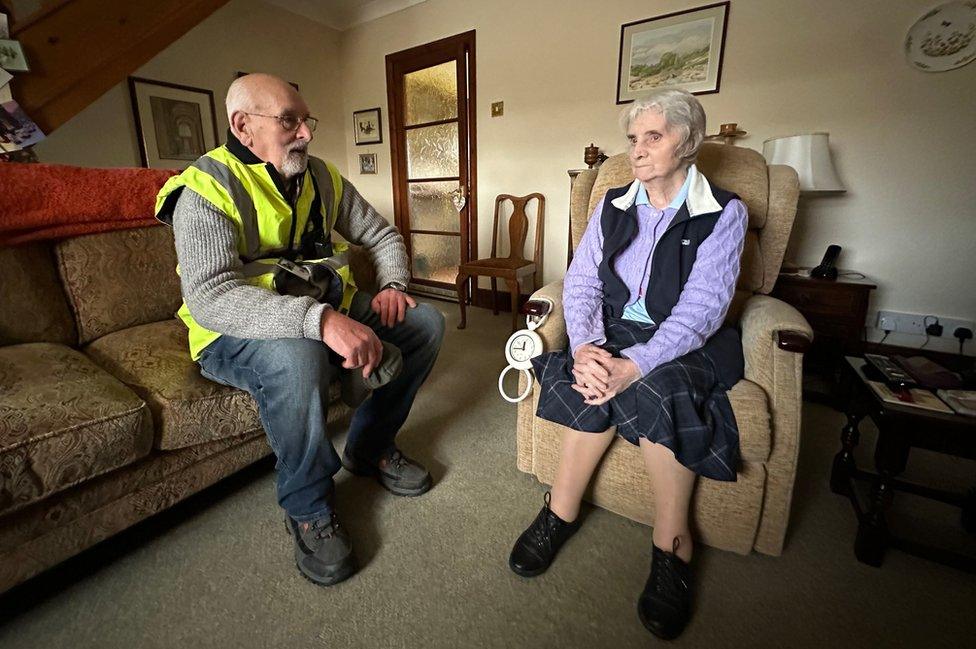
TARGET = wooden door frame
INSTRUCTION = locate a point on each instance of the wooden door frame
(417, 58)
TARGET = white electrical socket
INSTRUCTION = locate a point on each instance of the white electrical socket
(914, 323)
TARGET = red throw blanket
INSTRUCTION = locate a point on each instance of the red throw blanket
(46, 201)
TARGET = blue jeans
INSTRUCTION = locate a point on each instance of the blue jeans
(289, 379)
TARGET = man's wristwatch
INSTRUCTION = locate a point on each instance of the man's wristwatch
(396, 285)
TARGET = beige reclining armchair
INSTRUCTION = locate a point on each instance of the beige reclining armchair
(753, 512)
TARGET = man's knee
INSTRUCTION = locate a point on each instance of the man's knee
(298, 361)
(429, 323)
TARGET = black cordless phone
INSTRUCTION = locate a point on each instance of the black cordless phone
(828, 265)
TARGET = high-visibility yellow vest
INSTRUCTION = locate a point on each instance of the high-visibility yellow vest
(248, 195)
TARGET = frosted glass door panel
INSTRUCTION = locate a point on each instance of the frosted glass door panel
(435, 257)
(432, 151)
(432, 208)
(431, 94)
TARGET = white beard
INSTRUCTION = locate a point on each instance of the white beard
(295, 163)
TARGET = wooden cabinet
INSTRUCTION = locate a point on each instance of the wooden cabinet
(837, 310)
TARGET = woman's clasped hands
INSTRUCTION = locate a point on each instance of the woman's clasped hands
(599, 376)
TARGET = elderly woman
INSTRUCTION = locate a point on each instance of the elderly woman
(644, 300)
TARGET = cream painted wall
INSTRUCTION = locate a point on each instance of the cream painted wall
(902, 140)
(247, 35)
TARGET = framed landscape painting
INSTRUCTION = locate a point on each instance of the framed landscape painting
(678, 50)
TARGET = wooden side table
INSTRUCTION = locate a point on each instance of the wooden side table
(901, 427)
(836, 310)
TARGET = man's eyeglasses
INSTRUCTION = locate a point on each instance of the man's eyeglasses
(291, 122)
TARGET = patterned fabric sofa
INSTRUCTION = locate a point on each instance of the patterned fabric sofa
(104, 419)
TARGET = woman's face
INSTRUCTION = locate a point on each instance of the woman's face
(652, 147)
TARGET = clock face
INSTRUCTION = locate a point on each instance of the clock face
(521, 348)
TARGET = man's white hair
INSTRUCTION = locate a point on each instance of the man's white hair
(681, 110)
(239, 97)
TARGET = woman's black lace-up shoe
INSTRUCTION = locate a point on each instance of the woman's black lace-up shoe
(538, 545)
(665, 605)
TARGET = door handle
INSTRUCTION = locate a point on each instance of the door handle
(458, 198)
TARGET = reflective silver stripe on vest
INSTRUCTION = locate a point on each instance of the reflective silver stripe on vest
(242, 200)
(336, 261)
(324, 178)
(266, 265)
(259, 267)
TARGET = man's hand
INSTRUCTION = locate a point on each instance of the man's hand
(352, 340)
(391, 305)
(591, 375)
(623, 372)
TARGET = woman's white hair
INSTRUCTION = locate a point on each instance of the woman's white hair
(681, 110)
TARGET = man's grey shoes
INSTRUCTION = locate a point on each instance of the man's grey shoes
(399, 474)
(323, 552)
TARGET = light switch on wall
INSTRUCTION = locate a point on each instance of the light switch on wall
(497, 108)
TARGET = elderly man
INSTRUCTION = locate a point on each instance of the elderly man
(235, 212)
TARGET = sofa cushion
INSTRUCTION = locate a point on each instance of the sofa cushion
(120, 279)
(63, 420)
(153, 360)
(34, 305)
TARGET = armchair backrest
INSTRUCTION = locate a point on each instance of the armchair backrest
(770, 193)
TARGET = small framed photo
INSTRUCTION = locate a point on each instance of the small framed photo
(12, 57)
(367, 126)
(367, 163)
(175, 124)
(678, 50)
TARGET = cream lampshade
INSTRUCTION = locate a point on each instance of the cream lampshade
(810, 156)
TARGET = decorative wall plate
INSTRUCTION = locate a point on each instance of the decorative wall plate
(944, 38)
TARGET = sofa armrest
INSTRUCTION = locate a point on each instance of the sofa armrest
(773, 336)
(553, 330)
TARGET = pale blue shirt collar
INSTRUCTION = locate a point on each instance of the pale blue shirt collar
(678, 199)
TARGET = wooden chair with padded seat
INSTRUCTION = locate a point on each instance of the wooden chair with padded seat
(514, 268)
(751, 513)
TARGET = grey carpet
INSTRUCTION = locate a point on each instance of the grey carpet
(218, 571)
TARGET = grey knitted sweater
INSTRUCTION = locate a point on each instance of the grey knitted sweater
(221, 300)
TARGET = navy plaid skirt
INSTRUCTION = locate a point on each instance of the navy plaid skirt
(681, 404)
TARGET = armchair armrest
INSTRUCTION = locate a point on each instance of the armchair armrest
(774, 335)
(554, 337)
(768, 323)
(553, 330)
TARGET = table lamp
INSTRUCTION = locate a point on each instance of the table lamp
(810, 156)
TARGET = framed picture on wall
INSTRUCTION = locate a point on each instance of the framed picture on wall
(367, 163)
(175, 124)
(677, 50)
(367, 126)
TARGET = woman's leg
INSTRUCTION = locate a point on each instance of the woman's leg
(673, 484)
(578, 457)
(556, 521)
